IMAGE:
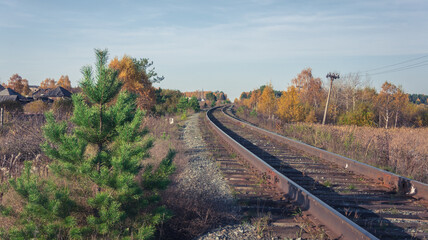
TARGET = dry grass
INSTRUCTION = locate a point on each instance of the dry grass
(22, 136)
(401, 150)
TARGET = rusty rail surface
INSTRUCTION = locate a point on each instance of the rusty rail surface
(341, 226)
(393, 181)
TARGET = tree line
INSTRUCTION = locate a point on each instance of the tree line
(137, 76)
(352, 102)
(21, 86)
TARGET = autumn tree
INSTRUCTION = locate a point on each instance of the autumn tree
(220, 96)
(389, 103)
(310, 89)
(64, 82)
(244, 95)
(137, 77)
(401, 102)
(253, 101)
(289, 108)
(211, 97)
(267, 101)
(347, 87)
(18, 84)
(48, 83)
(166, 100)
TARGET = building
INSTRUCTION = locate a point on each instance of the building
(51, 94)
(8, 94)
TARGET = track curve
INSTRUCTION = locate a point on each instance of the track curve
(351, 205)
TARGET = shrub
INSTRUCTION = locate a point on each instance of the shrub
(362, 116)
(63, 106)
(182, 104)
(194, 104)
(12, 107)
(36, 107)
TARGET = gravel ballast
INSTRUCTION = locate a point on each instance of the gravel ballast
(202, 177)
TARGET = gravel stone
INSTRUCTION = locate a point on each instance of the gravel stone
(202, 174)
(232, 232)
(202, 177)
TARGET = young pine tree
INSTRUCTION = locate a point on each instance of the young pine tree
(103, 152)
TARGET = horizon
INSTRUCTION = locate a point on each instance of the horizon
(229, 46)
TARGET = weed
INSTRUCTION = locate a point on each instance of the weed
(297, 212)
(351, 187)
(165, 136)
(392, 210)
(6, 211)
(233, 155)
(261, 224)
(327, 183)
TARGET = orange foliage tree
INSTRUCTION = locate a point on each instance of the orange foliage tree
(18, 84)
(48, 83)
(137, 78)
(309, 88)
(288, 106)
(64, 82)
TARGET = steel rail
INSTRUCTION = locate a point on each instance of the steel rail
(341, 226)
(400, 184)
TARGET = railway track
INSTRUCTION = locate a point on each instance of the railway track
(353, 200)
(260, 204)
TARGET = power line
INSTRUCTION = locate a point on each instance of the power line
(395, 64)
(416, 65)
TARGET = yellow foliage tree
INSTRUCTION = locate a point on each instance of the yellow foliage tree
(254, 99)
(135, 79)
(267, 101)
(64, 82)
(289, 108)
(311, 118)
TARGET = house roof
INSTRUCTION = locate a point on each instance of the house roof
(55, 92)
(4, 98)
(59, 92)
(10, 92)
(39, 93)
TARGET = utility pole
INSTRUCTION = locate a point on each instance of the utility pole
(332, 76)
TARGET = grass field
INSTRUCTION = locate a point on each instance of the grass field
(400, 150)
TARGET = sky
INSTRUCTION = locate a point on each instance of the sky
(226, 45)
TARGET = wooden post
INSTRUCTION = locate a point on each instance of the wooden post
(332, 76)
(1, 116)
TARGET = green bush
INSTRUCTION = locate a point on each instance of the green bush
(194, 104)
(362, 116)
(182, 104)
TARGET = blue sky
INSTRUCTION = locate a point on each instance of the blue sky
(229, 45)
